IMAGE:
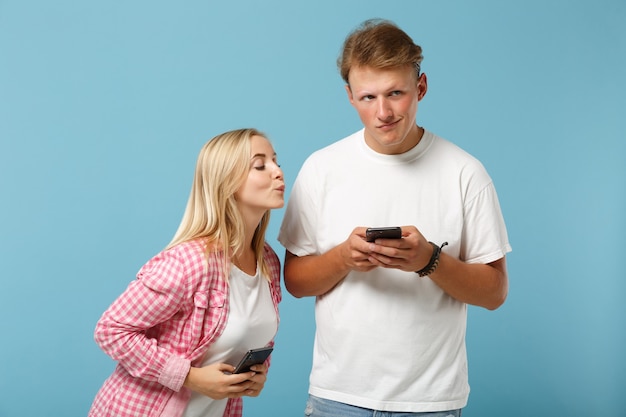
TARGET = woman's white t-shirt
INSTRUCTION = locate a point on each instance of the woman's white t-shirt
(251, 323)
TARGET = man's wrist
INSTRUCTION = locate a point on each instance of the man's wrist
(433, 262)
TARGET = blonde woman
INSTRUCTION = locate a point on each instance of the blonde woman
(207, 298)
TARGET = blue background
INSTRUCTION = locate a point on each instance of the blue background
(105, 105)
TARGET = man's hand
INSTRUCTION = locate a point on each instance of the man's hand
(355, 251)
(411, 253)
(484, 285)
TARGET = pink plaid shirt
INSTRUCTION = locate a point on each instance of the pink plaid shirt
(163, 324)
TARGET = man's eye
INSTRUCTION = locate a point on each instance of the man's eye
(368, 98)
(396, 93)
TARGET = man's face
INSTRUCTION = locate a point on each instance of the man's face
(386, 101)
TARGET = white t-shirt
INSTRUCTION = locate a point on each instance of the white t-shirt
(252, 323)
(387, 339)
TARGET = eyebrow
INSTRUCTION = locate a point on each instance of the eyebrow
(261, 155)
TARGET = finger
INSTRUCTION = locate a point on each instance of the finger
(258, 381)
(242, 386)
(387, 246)
(260, 368)
(239, 382)
(226, 368)
(380, 260)
(387, 262)
(359, 231)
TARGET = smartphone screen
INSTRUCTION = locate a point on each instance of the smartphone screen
(253, 357)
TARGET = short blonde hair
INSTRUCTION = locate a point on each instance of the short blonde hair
(379, 44)
(212, 212)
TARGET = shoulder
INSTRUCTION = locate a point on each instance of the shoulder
(440, 144)
(273, 264)
(271, 259)
(458, 168)
(452, 156)
(176, 266)
(324, 163)
(336, 150)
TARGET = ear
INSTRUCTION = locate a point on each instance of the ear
(350, 96)
(422, 86)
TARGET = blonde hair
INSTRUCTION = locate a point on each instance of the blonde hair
(379, 44)
(212, 212)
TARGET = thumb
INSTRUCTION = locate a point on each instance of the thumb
(226, 368)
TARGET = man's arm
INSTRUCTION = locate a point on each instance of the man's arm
(484, 285)
(314, 275)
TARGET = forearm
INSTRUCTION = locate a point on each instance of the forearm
(484, 285)
(314, 274)
(142, 357)
(122, 330)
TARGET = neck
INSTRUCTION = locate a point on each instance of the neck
(245, 260)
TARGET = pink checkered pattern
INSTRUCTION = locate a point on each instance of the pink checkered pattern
(160, 326)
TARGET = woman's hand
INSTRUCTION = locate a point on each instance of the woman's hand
(217, 382)
(258, 380)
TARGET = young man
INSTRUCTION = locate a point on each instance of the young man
(391, 314)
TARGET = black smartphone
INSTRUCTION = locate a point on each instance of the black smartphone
(374, 233)
(253, 357)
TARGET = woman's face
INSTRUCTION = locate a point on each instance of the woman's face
(264, 187)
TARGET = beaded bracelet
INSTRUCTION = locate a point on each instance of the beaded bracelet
(434, 261)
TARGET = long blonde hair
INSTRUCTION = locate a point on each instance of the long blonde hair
(212, 212)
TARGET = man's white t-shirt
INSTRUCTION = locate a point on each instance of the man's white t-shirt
(388, 339)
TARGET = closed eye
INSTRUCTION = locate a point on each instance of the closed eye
(262, 167)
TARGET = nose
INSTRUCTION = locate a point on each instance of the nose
(278, 171)
(384, 111)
